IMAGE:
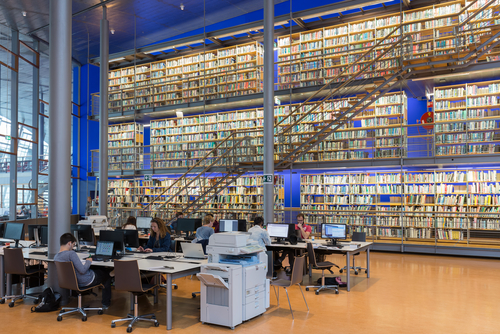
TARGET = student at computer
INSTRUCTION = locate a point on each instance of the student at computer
(215, 223)
(84, 275)
(258, 233)
(304, 229)
(204, 232)
(131, 224)
(172, 225)
(159, 239)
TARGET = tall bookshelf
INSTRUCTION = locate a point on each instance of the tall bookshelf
(227, 72)
(427, 206)
(379, 132)
(243, 200)
(467, 118)
(125, 143)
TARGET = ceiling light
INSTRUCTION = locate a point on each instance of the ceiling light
(24, 13)
(116, 59)
(182, 6)
(112, 31)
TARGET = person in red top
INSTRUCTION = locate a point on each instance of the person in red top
(304, 229)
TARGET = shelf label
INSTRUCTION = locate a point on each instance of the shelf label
(277, 100)
(148, 177)
(267, 179)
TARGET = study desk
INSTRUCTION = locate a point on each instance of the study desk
(182, 267)
(347, 250)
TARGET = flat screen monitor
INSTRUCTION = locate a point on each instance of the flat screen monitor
(187, 225)
(43, 231)
(278, 230)
(334, 231)
(1, 229)
(14, 231)
(85, 233)
(242, 225)
(228, 225)
(44, 235)
(131, 238)
(143, 222)
(104, 248)
(116, 236)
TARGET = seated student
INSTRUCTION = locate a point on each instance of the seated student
(172, 225)
(131, 224)
(258, 233)
(84, 275)
(204, 232)
(159, 239)
(215, 224)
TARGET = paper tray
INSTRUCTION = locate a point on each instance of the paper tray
(211, 280)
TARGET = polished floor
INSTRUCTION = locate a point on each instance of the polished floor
(405, 294)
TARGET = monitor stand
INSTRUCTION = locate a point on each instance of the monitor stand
(333, 242)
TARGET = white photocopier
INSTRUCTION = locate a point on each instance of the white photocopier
(234, 287)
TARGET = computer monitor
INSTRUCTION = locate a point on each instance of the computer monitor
(131, 238)
(85, 233)
(32, 236)
(1, 229)
(143, 222)
(187, 225)
(334, 232)
(279, 231)
(116, 236)
(14, 231)
(44, 235)
(242, 225)
(228, 225)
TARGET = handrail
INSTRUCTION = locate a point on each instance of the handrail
(234, 133)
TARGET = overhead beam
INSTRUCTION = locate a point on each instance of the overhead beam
(215, 40)
(300, 23)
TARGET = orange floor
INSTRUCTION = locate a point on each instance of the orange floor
(406, 294)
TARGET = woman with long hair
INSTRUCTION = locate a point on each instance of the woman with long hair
(159, 238)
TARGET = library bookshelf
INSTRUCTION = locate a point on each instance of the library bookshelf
(231, 71)
(125, 142)
(443, 206)
(243, 200)
(467, 118)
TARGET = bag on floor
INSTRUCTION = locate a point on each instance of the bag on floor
(49, 301)
(333, 281)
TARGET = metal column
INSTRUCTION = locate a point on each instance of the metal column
(14, 142)
(34, 150)
(103, 116)
(269, 110)
(60, 123)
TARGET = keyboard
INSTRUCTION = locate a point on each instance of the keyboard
(100, 258)
(39, 253)
(155, 257)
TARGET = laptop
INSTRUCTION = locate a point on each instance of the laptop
(193, 250)
(103, 251)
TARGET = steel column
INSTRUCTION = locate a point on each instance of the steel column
(34, 150)
(103, 116)
(60, 123)
(269, 109)
(14, 105)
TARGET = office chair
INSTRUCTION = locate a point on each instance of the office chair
(128, 278)
(320, 266)
(67, 280)
(296, 279)
(361, 237)
(14, 265)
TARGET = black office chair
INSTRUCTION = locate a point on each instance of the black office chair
(14, 265)
(320, 266)
(128, 278)
(361, 237)
(67, 280)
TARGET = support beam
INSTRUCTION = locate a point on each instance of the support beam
(269, 110)
(14, 105)
(300, 23)
(35, 117)
(103, 119)
(60, 123)
(215, 40)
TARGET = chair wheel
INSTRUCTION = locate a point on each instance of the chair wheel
(99, 312)
(176, 287)
(84, 318)
(2, 301)
(316, 292)
(336, 292)
(341, 271)
(366, 271)
(11, 304)
(153, 317)
(59, 318)
(157, 324)
(113, 325)
(356, 273)
(129, 329)
(307, 289)
(193, 295)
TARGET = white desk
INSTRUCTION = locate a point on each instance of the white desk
(348, 251)
(182, 267)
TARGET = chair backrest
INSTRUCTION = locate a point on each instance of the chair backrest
(358, 236)
(14, 261)
(66, 275)
(310, 253)
(128, 276)
(204, 244)
(298, 270)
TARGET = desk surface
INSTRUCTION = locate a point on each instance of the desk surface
(321, 244)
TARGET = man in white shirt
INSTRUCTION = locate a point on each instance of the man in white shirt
(258, 233)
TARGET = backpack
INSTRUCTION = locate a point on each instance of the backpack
(333, 281)
(49, 301)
